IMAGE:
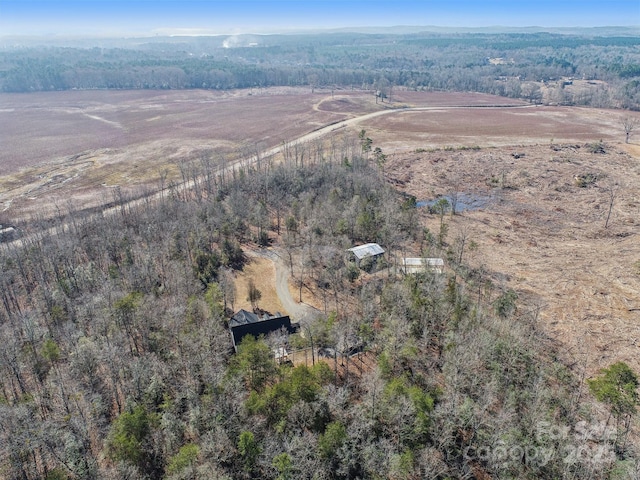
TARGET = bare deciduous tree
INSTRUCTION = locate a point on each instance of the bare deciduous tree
(612, 192)
(629, 124)
(254, 294)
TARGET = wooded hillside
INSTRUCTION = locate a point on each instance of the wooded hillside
(117, 362)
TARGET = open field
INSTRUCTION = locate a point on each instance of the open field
(43, 127)
(469, 127)
(540, 233)
(78, 145)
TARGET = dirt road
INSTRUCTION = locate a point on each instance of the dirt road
(318, 133)
(297, 311)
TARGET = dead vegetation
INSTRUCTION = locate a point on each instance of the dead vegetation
(545, 235)
(450, 364)
(549, 172)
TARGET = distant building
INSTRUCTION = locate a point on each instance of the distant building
(416, 265)
(248, 323)
(367, 251)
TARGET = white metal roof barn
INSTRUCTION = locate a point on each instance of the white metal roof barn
(366, 250)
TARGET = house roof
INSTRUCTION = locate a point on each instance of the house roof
(247, 323)
(243, 317)
(366, 250)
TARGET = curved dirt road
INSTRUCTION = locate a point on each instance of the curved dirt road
(254, 158)
(355, 120)
(297, 311)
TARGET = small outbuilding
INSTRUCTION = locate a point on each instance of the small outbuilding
(248, 323)
(368, 251)
(417, 265)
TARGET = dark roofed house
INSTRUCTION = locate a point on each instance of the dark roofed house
(248, 323)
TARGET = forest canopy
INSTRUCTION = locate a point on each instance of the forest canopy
(116, 359)
(483, 62)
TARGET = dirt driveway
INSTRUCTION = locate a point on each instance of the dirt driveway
(280, 278)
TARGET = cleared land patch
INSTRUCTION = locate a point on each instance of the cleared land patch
(543, 235)
(263, 274)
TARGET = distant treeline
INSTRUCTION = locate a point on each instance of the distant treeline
(465, 62)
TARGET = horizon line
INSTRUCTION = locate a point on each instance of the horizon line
(202, 32)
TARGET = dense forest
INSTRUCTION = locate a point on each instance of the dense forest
(117, 360)
(516, 65)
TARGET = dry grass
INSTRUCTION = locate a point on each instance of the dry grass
(69, 146)
(310, 296)
(61, 147)
(544, 236)
(262, 272)
(493, 127)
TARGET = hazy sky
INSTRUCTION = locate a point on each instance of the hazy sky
(132, 17)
